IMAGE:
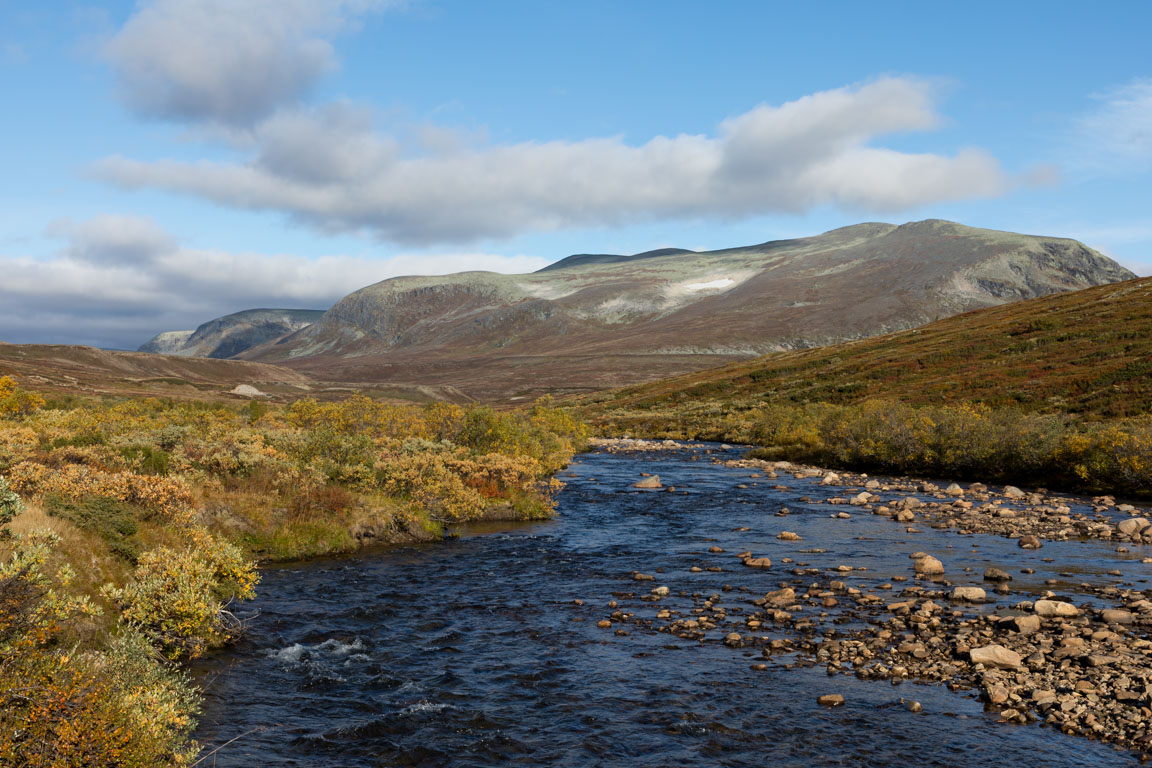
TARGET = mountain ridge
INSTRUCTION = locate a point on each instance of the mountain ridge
(594, 321)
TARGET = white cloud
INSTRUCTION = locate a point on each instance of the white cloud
(229, 61)
(1118, 135)
(121, 279)
(329, 169)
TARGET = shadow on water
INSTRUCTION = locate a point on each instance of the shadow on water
(473, 652)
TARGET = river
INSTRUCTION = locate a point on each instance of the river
(475, 652)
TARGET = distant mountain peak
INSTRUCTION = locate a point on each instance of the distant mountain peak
(234, 334)
(584, 259)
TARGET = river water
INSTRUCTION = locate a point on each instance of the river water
(474, 652)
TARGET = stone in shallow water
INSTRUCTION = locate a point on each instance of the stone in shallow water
(1055, 608)
(928, 566)
(969, 594)
(831, 700)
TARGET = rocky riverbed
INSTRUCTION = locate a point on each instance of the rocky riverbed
(1079, 660)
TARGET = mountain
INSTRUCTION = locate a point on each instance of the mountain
(1088, 353)
(599, 321)
(231, 335)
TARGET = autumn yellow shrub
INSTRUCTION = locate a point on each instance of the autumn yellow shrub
(429, 482)
(167, 496)
(179, 599)
(15, 402)
(61, 705)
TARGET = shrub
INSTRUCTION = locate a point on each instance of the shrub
(15, 401)
(112, 520)
(10, 504)
(60, 706)
(427, 481)
(179, 599)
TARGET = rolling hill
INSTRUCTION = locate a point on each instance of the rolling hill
(1088, 352)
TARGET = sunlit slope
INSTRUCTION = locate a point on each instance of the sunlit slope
(1088, 352)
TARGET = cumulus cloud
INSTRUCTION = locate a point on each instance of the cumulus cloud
(119, 280)
(227, 61)
(1118, 134)
(328, 168)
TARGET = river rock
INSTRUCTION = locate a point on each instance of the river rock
(1132, 525)
(1026, 625)
(781, 598)
(928, 566)
(660, 591)
(831, 700)
(1012, 492)
(649, 482)
(1116, 616)
(996, 693)
(954, 490)
(995, 574)
(831, 479)
(757, 562)
(969, 594)
(995, 656)
(1055, 609)
(788, 536)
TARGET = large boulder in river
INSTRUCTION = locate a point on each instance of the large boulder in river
(1132, 525)
(649, 482)
(969, 594)
(927, 565)
(995, 656)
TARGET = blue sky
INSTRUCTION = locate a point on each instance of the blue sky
(169, 161)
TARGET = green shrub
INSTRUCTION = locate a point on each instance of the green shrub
(111, 519)
(10, 504)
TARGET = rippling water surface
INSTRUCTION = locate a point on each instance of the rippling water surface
(472, 652)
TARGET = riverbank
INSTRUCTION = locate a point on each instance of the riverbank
(146, 520)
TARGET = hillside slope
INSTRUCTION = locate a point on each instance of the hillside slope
(597, 321)
(91, 371)
(1087, 352)
(233, 334)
